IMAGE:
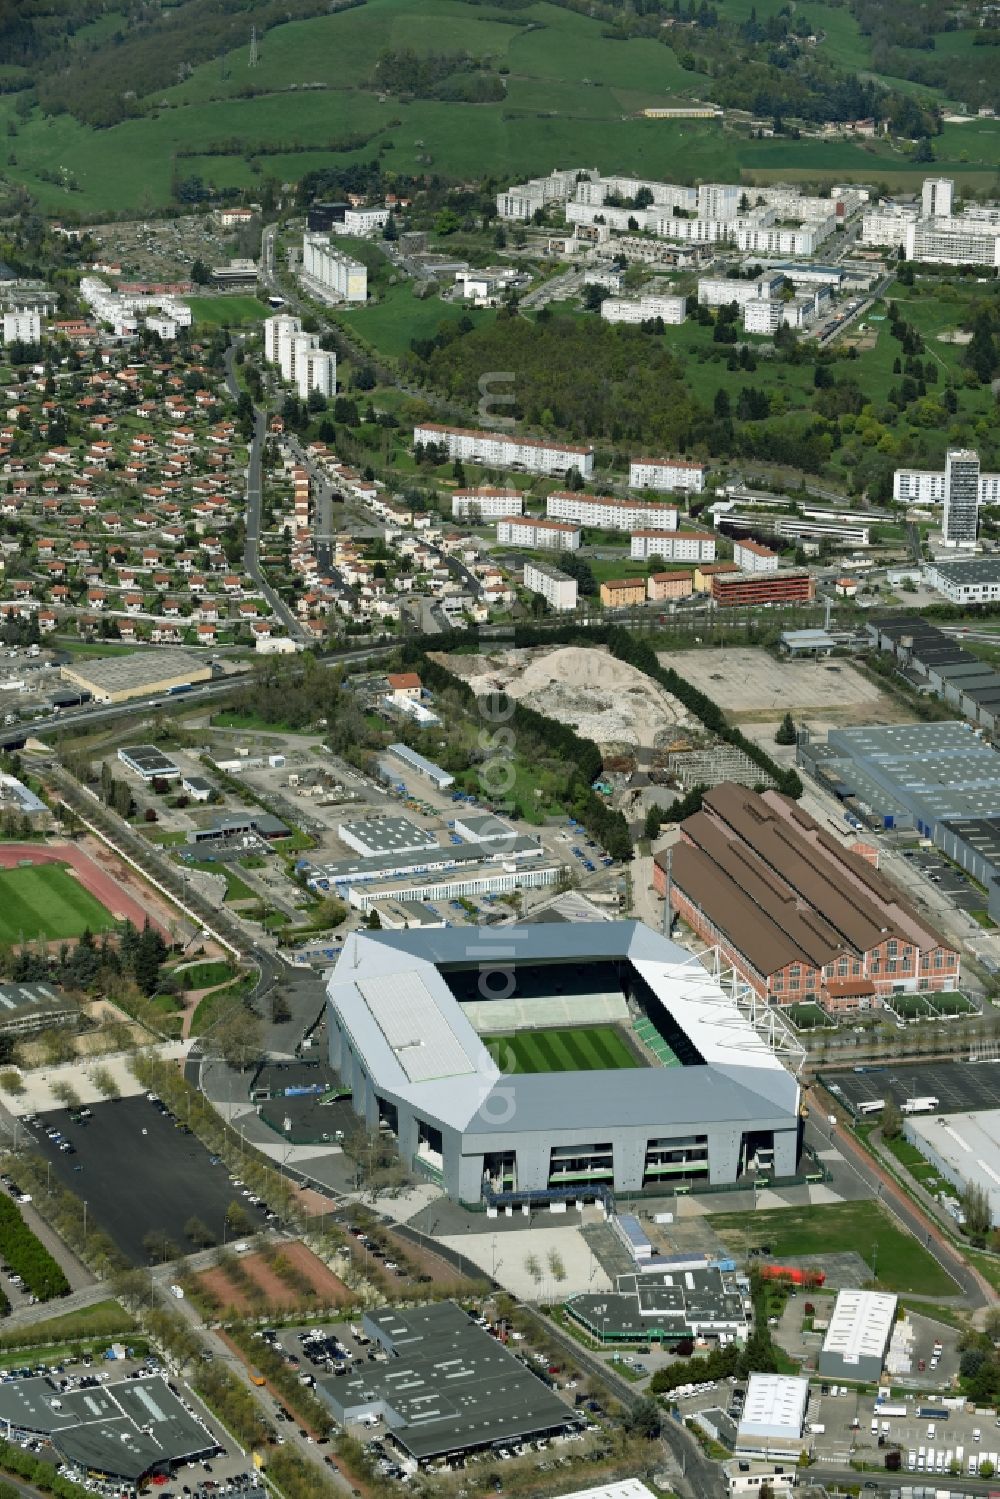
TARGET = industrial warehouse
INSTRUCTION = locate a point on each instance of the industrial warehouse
(122, 1431)
(447, 1388)
(683, 1087)
(115, 679)
(799, 916)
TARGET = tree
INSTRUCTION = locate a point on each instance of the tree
(201, 273)
(66, 1094)
(199, 1233)
(891, 1120)
(105, 1082)
(239, 1038)
(374, 922)
(643, 1419)
(12, 1082)
(786, 731)
(654, 818)
(237, 1220)
(159, 1246)
(976, 1207)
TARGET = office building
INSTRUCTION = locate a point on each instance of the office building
(534, 455)
(667, 473)
(149, 763)
(558, 589)
(663, 1303)
(601, 512)
(858, 1337)
(529, 531)
(755, 589)
(798, 915)
(406, 1012)
(330, 273)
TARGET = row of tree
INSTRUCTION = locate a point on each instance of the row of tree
(28, 1257)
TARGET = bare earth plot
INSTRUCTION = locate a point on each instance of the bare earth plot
(751, 687)
(604, 699)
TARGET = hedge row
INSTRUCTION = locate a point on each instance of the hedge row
(27, 1256)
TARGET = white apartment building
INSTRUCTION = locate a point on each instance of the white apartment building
(761, 315)
(526, 531)
(938, 197)
(499, 450)
(277, 331)
(719, 291)
(558, 589)
(164, 327)
(667, 473)
(961, 241)
(520, 202)
(364, 222)
(604, 513)
(721, 201)
(672, 546)
(886, 225)
(673, 310)
(751, 557)
(22, 325)
(303, 364)
(921, 486)
(331, 273)
(485, 504)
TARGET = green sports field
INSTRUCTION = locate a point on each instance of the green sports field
(46, 901)
(584, 1048)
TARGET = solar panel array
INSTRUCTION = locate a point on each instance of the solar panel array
(421, 1039)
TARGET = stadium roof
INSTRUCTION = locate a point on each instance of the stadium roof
(740, 1078)
(125, 1429)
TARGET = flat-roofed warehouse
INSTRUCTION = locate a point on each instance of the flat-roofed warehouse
(115, 679)
(124, 1431)
(448, 1387)
(774, 1415)
(858, 1336)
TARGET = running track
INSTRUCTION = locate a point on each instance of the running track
(120, 892)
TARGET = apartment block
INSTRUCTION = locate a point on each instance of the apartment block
(672, 310)
(525, 531)
(558, 589)
(22, 325)
(798, 915)
(662, 586)
(953, 241)
(621, 593)
(667, 474)
(604, 513)
(485, 504)
(673, 546)
(500, 450)
(783, 586)
(751, 557)
(720, 291)
(330, 272)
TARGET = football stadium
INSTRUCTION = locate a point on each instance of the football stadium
(542, 1061)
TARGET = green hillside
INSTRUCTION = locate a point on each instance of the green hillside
(389, 80)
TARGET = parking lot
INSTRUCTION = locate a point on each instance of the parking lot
(959, 1087)
(140, 1171)
(854, 1430)
(952, 882)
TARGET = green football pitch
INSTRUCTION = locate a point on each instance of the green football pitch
(584, 1048)
(46, 901)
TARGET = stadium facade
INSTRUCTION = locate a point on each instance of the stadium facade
(703, 1100)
